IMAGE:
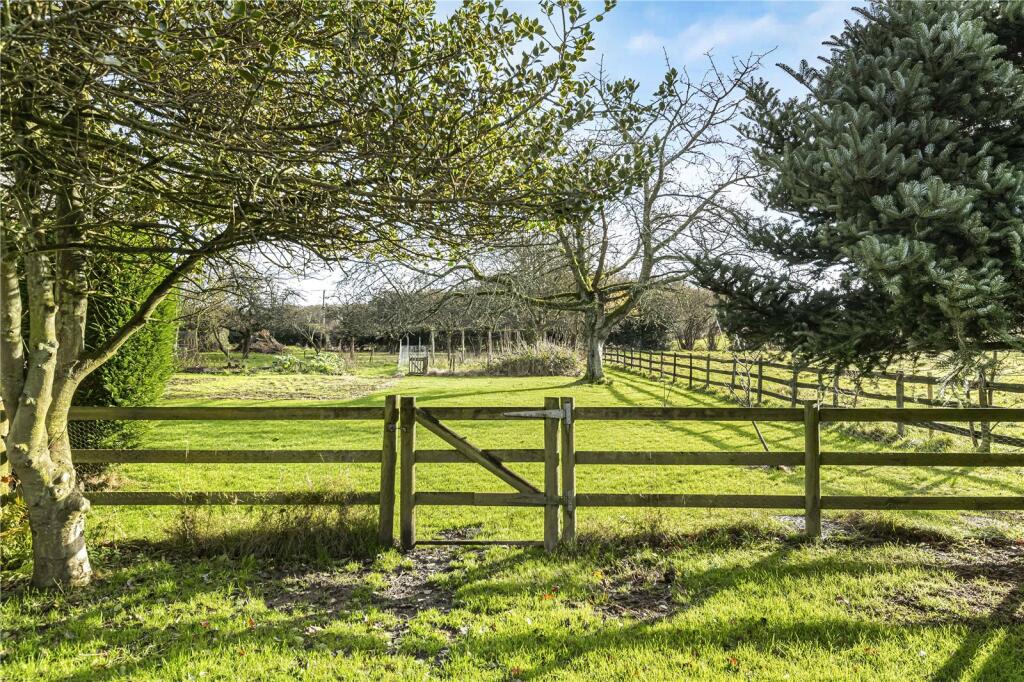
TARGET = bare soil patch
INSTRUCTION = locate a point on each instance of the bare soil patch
(412, 587)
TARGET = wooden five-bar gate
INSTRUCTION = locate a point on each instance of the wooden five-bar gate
(557, 494)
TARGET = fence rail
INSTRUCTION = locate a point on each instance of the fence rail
(748, 375)
(557, 495)
(386, 456)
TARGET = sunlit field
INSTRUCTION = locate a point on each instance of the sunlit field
(713, 594)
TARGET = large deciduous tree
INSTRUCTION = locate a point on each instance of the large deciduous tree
(170, 133)
(900, 180)
(684, 169)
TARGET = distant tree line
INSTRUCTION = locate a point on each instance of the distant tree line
(248, 311)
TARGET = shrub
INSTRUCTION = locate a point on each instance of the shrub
(546, 360)
(325, 363)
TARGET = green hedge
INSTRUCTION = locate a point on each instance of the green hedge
(137, 374)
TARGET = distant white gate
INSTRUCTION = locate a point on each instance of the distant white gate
(413, 359)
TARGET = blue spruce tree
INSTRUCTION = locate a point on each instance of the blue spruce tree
(900, 182)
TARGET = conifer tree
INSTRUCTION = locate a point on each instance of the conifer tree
(900, 183)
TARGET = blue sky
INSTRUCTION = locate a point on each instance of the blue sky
(636, 37)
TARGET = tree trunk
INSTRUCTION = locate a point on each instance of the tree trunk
(596, 335)
(38, 448)
(57, 519)
(41, 460)
(595, 360)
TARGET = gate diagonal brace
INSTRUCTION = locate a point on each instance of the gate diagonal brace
(474, 454)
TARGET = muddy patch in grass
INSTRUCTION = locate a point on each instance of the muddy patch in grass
(640, 595)
(989, 580)
(407, 590)
(641, 586)
(976, 584)
(414, 586)
(323, 592)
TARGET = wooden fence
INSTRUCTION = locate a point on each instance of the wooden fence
(386, 456)
(742, 374)
(557, 494)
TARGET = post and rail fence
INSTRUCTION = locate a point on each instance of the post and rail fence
(679, 367)
(399, 456)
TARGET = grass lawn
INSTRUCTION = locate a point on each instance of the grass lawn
(674, 594)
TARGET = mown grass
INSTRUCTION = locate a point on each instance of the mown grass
(523, 523)
(675, 594)
(728, 606)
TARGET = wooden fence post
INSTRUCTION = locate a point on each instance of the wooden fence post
(901, 428)
(707, 372)
(794, 390)
(812, 472)
(675, 367)
(388, 464)
(689, 362)
(931, 397)
(568, 472)
(732, 380)
(407, 511)
(551, 476)
(985, 445)
(760, 381)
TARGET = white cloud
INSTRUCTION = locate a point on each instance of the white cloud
(702, 37)
(799, 37)
(645, 42)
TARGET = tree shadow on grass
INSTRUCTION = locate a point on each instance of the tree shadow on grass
(221, 604)
(675, 630)
(945, 475)
(739, 430)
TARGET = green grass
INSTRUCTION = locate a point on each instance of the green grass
(258, 361)
(523, 523)
(675, 594)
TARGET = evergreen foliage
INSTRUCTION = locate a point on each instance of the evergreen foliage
(900, 179)
(137, 373)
